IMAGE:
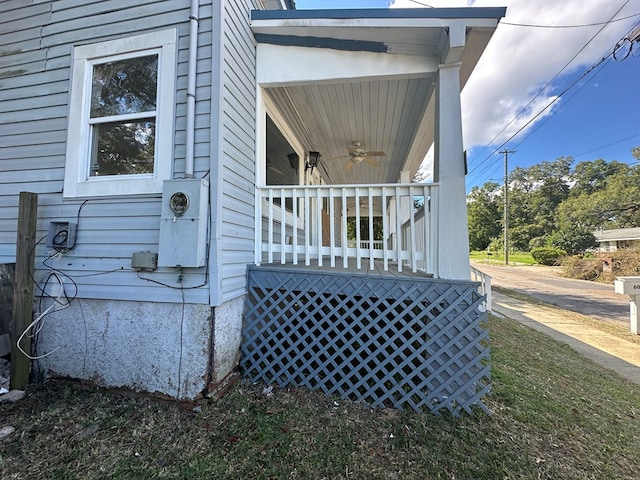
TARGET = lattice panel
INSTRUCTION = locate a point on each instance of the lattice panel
(389, 342)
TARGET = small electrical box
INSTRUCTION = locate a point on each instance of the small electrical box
(61, 235)
(144, 261)
(183, 223)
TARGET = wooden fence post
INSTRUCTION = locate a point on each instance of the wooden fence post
(23, 289)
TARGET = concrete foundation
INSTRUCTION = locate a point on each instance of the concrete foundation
(161, 348)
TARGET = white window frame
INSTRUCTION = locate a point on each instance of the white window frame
(77, 180)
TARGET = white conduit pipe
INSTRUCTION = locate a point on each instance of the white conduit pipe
(191, 89)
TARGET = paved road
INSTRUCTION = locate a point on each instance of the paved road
(596, 300)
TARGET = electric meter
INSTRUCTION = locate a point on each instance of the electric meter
(183, 223)
(179, 203)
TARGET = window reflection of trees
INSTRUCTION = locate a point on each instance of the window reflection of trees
(124, 88)
(123, 148)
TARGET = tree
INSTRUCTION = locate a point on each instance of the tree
(615, 205)
(573, 238)
(592, 176)
(553, 205)
(534, 194)
(484, 211)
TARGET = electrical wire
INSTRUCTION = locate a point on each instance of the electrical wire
(182, 287)
(599, 68)
(555, 99)
(608, 145)
(547, 118)
(37, 324)
(42, 287)
(181, 342)
(531, 25)
(422, 3)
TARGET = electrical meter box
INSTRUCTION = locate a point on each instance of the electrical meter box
(61, 235)
(183, 223)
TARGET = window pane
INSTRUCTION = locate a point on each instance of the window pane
(123, 148)
(279, 169)
(125, 86)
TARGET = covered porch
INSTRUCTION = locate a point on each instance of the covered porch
(350, 105)
(361, 279)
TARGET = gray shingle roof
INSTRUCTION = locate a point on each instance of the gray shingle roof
(617, 234)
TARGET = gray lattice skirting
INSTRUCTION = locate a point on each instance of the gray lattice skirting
(385, 341)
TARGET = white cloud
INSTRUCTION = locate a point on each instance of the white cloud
(520, 61)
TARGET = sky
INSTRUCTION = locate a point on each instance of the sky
(541, 92)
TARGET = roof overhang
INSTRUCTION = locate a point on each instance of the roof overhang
(386, 55)
(416, 31)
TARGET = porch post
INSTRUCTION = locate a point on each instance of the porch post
(448, 170)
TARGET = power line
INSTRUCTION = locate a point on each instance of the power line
(545, 87)
(423, 4)
(532, 25)
(608, 145)
(494, 167)
(548, 117)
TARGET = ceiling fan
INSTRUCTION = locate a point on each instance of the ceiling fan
(357, 155)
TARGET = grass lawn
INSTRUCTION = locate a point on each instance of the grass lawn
(555, 416)
(514, 257)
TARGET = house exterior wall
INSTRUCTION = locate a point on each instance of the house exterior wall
(233, 147)
(124, 328)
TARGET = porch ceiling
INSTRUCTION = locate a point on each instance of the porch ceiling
(383, 115)
(377, 87)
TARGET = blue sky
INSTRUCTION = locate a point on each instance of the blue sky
(596, 118)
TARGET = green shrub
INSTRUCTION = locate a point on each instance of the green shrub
(547, 255)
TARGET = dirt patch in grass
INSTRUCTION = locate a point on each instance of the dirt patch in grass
(555, 415)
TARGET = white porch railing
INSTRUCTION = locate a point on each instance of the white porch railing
(366, 244)
(485, 286)
(313, 225)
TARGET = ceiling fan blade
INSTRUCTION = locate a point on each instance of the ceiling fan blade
(371, 162)
(348, 165)
(374, 154)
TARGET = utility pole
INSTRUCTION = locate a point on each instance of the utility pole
(506, 153)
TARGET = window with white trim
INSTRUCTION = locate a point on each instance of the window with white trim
(121, 115)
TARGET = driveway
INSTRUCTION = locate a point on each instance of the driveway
(596, 300)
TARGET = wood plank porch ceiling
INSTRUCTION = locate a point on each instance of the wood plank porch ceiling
(384, 115)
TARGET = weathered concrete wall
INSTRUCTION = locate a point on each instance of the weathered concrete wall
(153, 347)
(227, 337)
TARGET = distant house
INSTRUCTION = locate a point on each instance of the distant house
(618, 239)
(192, 147)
